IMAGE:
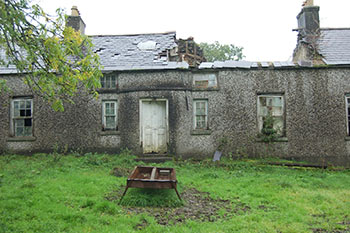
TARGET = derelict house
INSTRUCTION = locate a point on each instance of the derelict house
(160, 97)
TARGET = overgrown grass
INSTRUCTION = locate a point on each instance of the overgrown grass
(72, 193)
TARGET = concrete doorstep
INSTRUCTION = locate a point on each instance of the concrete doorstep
(154, 158)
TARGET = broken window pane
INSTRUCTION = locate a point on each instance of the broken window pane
(270, 113)
(22, 117)
(205, 80)
(277, 111)
(27, 122)
(28, 112)
(277, 102)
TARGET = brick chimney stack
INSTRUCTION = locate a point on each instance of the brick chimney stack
(75, 21)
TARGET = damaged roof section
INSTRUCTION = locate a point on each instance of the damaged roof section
(142, 51)
(334, 45)
(246, 64)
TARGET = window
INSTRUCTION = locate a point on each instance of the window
(205, 80)
(109, 115)
(200, 114)
(347, 101)
(22, 117)
(108, 81)
(271, 114)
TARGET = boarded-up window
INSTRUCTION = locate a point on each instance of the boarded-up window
(22, 117)
(271, 113)
(108, 81)
(200, 114)
(205, 80)
(109, 115)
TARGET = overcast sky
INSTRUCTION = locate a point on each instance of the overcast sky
(262, 27)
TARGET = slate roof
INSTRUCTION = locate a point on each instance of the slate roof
(6, 70)
(334, 45)
(148, 52)
(141, 51)
(129, 52)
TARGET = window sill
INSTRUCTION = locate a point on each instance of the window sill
(200, 132)
(109, 132)
(107, 90)
(205, 89)
(281, 139)
(347, 138)
(21, 139)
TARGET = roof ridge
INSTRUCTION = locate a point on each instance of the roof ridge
(335, 28)
(157, 33)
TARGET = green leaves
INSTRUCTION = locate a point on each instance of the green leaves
(57, 61)
(221, 52)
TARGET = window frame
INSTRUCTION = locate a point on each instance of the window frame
(202, 78)
(347, 106)
(104, 115)
(13, 118)
(260, 124)
(110, 76)
(195, 101)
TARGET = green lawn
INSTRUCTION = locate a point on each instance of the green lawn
(53, 193)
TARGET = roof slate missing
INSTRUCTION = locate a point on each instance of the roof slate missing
(125, 52)
(149, 52)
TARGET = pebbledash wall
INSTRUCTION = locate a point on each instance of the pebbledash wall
(315, 114)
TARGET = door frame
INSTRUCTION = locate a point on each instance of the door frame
(166, 117)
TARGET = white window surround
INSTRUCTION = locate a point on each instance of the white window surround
(347, 103)
(273, 105)
(109, 115)
(21, 117)
(200, 114)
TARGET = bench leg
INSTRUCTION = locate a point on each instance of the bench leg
(126, 189)
(178, 195)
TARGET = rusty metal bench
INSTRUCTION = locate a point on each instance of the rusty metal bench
(153, 178)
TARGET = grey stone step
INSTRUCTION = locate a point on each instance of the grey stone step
(153, 155)
(156, 159)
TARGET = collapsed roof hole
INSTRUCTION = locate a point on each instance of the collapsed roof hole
(99, 50)
(115, 55)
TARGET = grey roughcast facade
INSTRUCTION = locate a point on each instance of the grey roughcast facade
(154, 100)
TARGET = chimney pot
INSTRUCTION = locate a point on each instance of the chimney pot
(75, 21)
(308, 3)
(75, 11)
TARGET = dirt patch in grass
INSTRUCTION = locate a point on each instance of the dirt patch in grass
(343, 226)
(198, 206)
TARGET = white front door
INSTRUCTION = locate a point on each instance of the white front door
(154, 126)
